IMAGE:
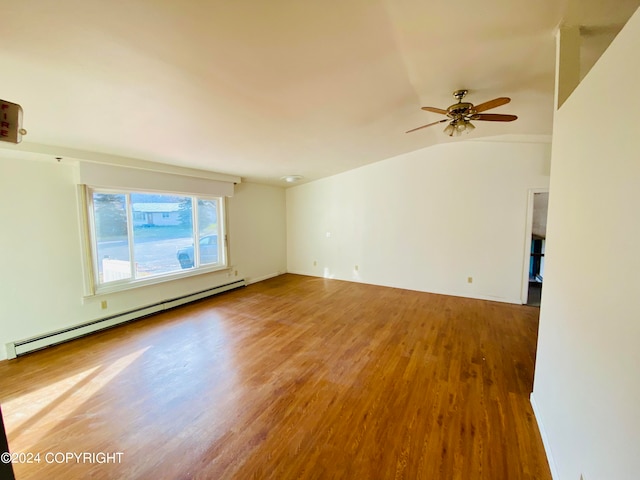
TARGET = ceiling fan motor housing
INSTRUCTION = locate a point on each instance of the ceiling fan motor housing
(461, 109)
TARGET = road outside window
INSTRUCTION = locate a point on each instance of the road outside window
(139, 235)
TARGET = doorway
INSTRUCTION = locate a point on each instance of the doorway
(535, 247)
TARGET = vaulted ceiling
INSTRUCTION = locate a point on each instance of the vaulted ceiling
(263, 89)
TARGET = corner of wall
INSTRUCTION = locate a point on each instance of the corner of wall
(545, 438)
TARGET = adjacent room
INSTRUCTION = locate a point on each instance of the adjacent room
(370, 239)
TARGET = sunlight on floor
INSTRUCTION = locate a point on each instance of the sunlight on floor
(45, 408)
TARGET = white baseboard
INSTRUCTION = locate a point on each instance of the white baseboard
(300, 272)
(545, 438)
(17, 348)
(514, 301)
(251, 280)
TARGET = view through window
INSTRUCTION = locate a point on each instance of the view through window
(136, 235)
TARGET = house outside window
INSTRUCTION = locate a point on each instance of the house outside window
(142, 237)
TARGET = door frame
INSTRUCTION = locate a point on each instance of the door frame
(524, 292)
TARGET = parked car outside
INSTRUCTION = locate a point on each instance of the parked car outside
(208, 252)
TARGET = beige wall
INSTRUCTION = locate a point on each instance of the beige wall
(425, 221)
(41, 284)
(587, 383)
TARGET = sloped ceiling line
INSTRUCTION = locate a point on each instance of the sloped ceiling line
(266, 89)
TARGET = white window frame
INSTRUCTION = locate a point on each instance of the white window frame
(94, 287)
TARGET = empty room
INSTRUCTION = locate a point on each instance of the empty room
(381, 239)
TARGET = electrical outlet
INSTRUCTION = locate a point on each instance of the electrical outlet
(469, 279)
(315, 264)
(236, 273)
(103, 305)
(356, 268)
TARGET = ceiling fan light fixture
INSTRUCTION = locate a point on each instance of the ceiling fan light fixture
(470, 127)
(449, 129)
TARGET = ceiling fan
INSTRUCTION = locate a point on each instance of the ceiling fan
(460, 114)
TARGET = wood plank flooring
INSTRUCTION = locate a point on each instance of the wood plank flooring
(291, 378)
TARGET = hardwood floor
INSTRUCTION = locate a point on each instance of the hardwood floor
(294, 377)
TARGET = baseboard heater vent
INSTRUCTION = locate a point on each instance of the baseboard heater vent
(22, 347)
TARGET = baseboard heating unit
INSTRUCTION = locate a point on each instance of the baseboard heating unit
(21, 347)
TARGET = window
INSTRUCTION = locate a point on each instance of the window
(143, 237)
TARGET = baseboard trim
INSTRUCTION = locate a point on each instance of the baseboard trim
(489, 298)
(251, 280)
(28, 345)
(545, 438)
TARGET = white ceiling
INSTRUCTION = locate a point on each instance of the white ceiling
(263, 89)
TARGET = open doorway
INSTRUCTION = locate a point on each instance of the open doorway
(535, 247)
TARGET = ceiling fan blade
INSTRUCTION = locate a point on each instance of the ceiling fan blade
(494, 117)
(427, 125)
(435, 110)
(496, 102)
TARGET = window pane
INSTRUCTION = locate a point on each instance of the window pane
(208, 231)
(145, 235)
(112, 242)
(162, 233)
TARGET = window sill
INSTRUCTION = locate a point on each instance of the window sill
(116, 287)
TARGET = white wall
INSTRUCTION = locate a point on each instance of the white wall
(424, 221)
(41, 287)
(257, 230)
(587, 383)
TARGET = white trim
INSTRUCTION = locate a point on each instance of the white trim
(11, 351)
(84, 221)
(223, 232)
(545, 438)
(114, 287)
(20, 347)
(92, 286)
(488, 298)
(251, 280)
